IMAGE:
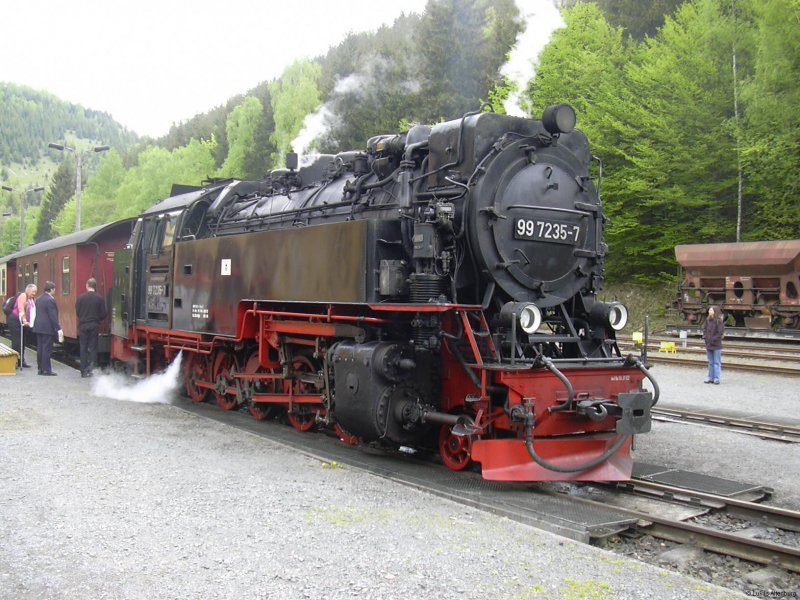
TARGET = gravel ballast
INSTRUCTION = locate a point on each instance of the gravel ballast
(104, 498)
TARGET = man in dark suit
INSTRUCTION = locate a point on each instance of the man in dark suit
(46, 328)
(90, 310)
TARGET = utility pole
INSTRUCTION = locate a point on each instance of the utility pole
(78, 159)
(22, 211)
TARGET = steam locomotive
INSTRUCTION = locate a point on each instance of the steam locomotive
(435, 291)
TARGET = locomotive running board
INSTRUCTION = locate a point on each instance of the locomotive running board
(509, 460)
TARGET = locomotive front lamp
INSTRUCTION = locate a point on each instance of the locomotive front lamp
(617, 316)
(559, 118)
(528, 315)
(609, 314)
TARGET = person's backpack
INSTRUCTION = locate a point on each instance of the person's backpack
(8, 305)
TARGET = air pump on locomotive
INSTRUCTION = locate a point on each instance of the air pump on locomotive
(438, 290)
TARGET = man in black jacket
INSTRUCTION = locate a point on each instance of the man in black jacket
(90, 310)
(47, 328)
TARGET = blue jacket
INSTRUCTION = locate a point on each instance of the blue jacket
(46, 315)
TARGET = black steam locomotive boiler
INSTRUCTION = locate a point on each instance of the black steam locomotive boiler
(436, 290)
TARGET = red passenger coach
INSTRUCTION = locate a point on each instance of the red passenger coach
(8, 277)
(68, 261)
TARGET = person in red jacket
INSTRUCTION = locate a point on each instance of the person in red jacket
(712, 334)
(21, 321)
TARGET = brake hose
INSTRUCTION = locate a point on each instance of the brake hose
(550, 466)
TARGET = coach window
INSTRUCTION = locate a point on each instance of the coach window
(3, 282)
(36, 274)
(65, 275)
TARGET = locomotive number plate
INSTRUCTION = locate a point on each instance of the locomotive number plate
(546, 231)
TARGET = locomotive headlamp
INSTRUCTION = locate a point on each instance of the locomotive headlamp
(527, 315)
(559, 118)
(617, 316)
(609, 314)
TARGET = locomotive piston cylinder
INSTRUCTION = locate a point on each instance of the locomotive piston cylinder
(378, 390)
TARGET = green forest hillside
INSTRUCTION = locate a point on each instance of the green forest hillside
(691, 106)
(30, 119)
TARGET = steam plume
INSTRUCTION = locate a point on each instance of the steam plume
(541, 19)
(160, 388)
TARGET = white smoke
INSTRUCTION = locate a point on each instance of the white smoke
(541, 19)
(319, 122)
(314, 125)
(361, 87)
(160, 388)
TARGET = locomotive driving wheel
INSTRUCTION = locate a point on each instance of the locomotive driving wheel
(455, 450)
(224, 366)
(302, 416)
(260, 410)
(196, 368)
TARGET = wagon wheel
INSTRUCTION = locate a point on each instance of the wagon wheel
(455, 450)
(224, 366)
(261, 410)
(302, 416)
(196, 368)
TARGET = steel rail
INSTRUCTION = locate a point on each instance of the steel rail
(773, 431)
(729, 352)
(772, 516)
(721, 542)
(664, 358)
(712, 540)
(737, 344)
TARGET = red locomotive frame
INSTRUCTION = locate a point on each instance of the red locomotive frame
(213, 367)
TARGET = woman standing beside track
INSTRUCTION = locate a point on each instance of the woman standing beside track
(712, 334)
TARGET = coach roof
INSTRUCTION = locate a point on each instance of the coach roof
(84, 236)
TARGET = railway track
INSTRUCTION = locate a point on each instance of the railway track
(764, 358)
(738, 349)
(739, 333)
(740, 545)
(757, 367)
(774, 431)
(792, 350)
